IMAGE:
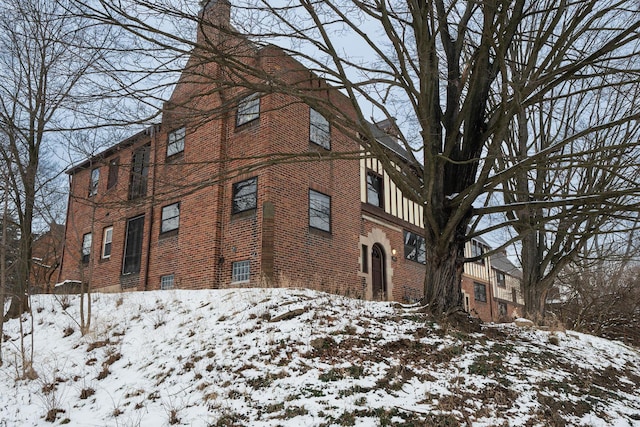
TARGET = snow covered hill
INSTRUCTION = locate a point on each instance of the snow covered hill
(293, 357)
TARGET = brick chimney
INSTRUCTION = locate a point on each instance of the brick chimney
(215, 16)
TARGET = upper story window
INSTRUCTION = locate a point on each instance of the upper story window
(245, 195)
(139, 172)
(112, 179)
(107, 238)
(170, 218)
(93, 184)
(248, 109)
(175, 142)
(500, 279)
(414, 247)
(319, 211)
(374, 189)
(86, 247)
(478, 250)
(319, 131)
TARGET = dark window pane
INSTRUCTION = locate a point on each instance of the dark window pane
(86, 247)
(133, 245)
(112, 179)
(374, 189)
(245, 195)
(319, 211)
(480, 292)
(139, 173)
(414, 247)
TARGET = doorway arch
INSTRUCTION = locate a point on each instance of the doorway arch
(378, 276)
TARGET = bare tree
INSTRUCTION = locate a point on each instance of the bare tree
(598, 293)
(575, 192)
(44, 87)
(445, 69)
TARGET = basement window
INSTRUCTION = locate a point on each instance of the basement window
(240, 271)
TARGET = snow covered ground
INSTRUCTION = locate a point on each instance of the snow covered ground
(292, 357)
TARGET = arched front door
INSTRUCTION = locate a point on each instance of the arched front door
(377, 273)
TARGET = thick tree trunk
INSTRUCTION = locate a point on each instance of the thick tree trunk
(20, 295)
(442, 294)
(534, 284)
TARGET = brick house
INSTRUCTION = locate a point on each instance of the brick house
(195, 202)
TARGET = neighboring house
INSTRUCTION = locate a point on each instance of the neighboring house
(46, 258)
(183, 205)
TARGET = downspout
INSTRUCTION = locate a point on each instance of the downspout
(66, 224)
(152, 166)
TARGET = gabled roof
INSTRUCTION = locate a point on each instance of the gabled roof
(377, 129)
(501, 262)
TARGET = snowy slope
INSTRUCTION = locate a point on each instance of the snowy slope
(292, 357)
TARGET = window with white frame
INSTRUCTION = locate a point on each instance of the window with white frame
(245, 195)
(319, 211)
(319, 130)
(95, 179)
(107, 237)
(86, 247)
(170, 218)
(240, 271)
(166, 282)
(175, 142)
(248, 109)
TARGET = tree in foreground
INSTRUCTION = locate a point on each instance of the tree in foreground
(447, 70)
(47, 80)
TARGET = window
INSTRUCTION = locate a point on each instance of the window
(112, 179)
(478, 250)
(319, 211)
(248, 109)
(414, 248)
(139, 173)
(170, 218)
(374, 189)
(86, 247)
(245, 195)
(502, 309)
(479, 292)
(365, 259)
(93, 185)
(133, 245)
(166, 282)
(175, 143)
(107, 237)
(500, 279)
(319, 131)
(240, 271)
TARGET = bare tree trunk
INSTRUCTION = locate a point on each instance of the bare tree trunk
(442, 279)
(3, 271)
